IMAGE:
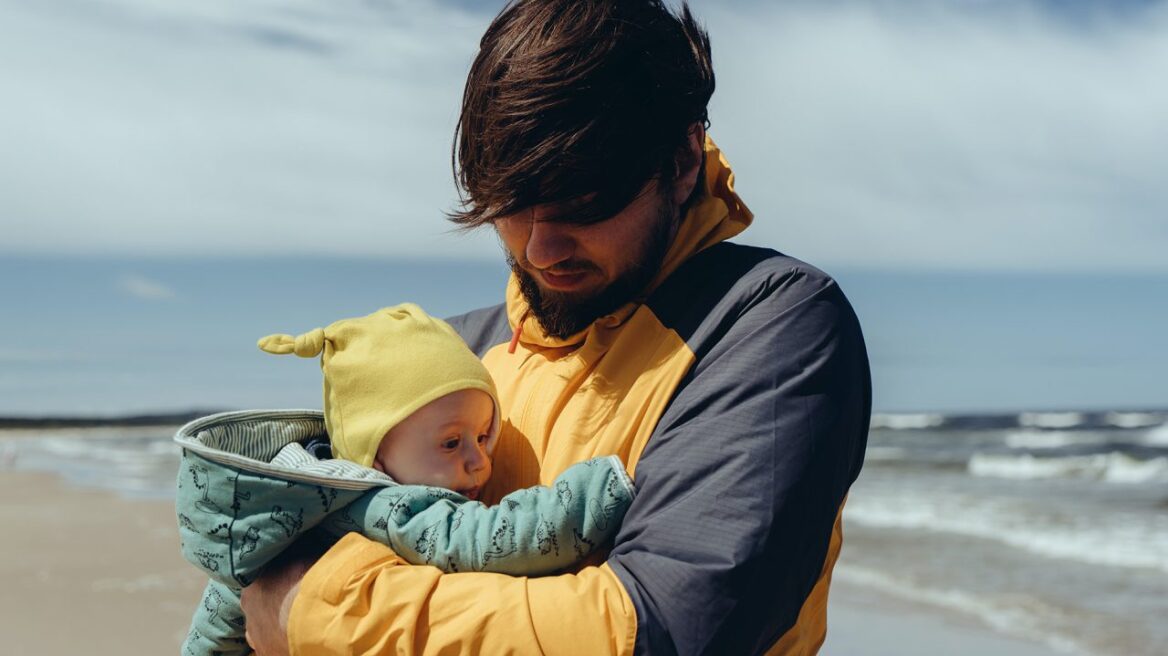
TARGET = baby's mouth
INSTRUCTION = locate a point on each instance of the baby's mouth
(471, 493)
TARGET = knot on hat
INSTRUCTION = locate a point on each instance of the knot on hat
(308, 345)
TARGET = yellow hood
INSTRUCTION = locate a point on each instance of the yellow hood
(380, 369)
(718, 216)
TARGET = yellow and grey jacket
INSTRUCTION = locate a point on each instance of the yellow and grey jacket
(737, 394)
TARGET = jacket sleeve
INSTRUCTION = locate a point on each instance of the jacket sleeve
(766, 434)
(737, 494)
(532, 531)
(361, 598)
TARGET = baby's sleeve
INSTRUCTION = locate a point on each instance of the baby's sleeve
(533, 531)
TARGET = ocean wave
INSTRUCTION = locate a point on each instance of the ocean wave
(1078, 420)
(1019, 620)
(1157, 436)
(1114, 467)
(116, 454)
(1117, 539)
(1133, 419)
(136, 464)
(907, 421)
(1032, 439)
(1051, 419)
(8, 456)
(91, 432)
(885, 454)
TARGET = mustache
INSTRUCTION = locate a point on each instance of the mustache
(559, 268)
(571, 266)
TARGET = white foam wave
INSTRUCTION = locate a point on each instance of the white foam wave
(67, 448)
(1134, 419)
(1030, 439)
(1016, 619)
(907, 421)
(1157, 436)
(1051, 419)
(1119, 539)
(884, 453)
(8, 457)
(162, 448)
(112, 455)
(135, 465)
(1112, 467)
(91, 433)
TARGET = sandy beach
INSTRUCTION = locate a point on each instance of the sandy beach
(865, 623)
(88, 572)
(91, 572)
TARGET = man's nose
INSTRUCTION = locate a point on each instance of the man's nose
(549, 244)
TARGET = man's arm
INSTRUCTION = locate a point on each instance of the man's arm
(742, 482)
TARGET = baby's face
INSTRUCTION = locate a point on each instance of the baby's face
(444, 443)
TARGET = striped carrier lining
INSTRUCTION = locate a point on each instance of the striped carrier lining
(268, 442)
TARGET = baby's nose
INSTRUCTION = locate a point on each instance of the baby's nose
(478, 459)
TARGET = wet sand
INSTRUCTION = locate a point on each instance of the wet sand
(866, 623)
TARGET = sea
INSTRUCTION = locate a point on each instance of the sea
(1051, 527)
(1017, 468)
(112, 336)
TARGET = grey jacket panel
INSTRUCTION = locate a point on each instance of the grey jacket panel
(484, 328)
(766, 432)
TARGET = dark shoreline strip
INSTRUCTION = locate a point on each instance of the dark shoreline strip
(162, 419)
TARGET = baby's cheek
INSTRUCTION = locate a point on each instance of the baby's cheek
(438, 476)
(400, 473)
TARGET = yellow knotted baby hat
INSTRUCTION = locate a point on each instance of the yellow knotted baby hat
(380, 369)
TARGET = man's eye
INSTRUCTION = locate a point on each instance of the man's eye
(450, 444)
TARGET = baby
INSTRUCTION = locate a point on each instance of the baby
(412, 418)
(403, 394)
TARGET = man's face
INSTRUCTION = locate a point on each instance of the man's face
(573, 274)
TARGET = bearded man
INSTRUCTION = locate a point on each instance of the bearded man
(731, 380)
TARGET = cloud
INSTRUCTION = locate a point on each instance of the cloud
(928, 134)
(949, 138)
(169, 128)
(145, 288)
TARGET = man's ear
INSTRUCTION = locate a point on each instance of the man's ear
(688, 164)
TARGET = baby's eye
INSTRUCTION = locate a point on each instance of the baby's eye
(483, 439)
(450, 444)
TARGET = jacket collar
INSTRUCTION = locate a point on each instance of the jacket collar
(718, 216)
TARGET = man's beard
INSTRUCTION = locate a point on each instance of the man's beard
(564, 314)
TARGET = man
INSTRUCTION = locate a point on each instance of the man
(732, 380)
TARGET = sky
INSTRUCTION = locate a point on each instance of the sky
(916, 135)
(984, 177)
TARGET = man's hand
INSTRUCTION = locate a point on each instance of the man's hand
(267, 602)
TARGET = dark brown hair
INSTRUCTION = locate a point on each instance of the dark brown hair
(578, 103)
